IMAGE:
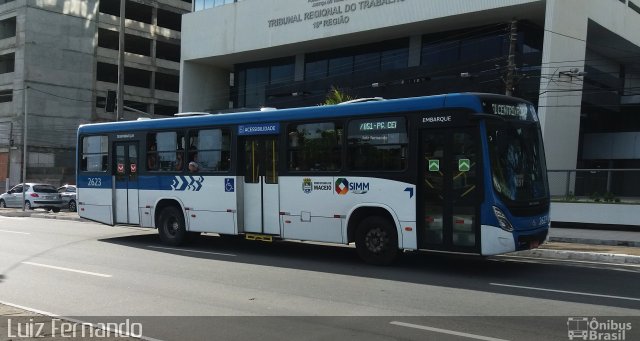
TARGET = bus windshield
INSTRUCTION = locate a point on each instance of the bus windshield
(517, 161)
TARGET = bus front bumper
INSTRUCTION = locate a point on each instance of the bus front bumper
(496, 241)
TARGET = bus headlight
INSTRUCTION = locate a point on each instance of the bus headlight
(502, 219)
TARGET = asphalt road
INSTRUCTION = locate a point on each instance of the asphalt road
(228, 289)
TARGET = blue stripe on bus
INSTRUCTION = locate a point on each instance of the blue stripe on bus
(172, 182)
(148, 182)
(471, 101)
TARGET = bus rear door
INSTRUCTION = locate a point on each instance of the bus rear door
(261, 190)
(448, 190)
(125, 172)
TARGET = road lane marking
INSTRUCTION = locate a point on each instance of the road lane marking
(41, 312)
(68, 269)
(194, 251)
(445, 331)
(16, 232)
(566, 292)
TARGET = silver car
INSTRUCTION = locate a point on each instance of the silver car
(36, 196)
(68, 193)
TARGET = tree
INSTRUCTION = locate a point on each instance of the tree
(336, 96)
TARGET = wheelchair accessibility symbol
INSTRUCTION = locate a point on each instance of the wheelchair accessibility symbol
(229, 185)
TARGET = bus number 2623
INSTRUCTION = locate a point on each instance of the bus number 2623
(94, 182)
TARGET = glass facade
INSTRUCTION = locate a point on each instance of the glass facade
(204, 4)
(387, 55)
(253, 79)
(383, 68)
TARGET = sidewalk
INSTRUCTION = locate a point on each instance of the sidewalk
(621, 255)
(595, 237)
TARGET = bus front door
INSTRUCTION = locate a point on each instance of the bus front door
(261, 191)
(448, 190)
(125, 172)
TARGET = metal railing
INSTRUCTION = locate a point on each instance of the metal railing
(595, 185)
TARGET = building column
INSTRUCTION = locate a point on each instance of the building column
(560, 98)
(207, 87)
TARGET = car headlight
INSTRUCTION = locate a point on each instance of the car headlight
(502, 219)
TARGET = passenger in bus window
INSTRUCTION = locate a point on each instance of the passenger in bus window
(225, 161)
(193, 150)
(152, 158)
(193, 167)
(179, 160)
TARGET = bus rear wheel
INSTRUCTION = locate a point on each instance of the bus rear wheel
(172, 227)
(377, 241)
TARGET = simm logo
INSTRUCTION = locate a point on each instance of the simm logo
(343, 186)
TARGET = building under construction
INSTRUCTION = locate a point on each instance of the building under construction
(65, 53)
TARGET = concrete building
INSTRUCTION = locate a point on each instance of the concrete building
(577, 60)
(66, 53)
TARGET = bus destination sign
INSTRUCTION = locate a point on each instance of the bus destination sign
(520, 111)
(378, 125)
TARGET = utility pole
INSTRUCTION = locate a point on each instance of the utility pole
(120, 97)
(511, 61)
(24, 149)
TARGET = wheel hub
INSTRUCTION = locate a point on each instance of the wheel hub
(376, 240)
(173, 227)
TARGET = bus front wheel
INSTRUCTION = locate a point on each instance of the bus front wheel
(377, 241)
(172, 227)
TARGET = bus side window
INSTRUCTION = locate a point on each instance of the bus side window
(315, 147)
(211, 149)
(166, 146)
(95, 154)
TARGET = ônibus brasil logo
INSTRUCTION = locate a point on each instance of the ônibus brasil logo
(343, 186)
(583, 328)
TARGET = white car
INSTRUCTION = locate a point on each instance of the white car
(35, 196)
(68, 193)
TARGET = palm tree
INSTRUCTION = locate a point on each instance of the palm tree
(336, 96)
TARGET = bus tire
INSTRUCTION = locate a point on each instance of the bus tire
(172, 228)
(377, 241)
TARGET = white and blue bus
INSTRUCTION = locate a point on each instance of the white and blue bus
(458, 173)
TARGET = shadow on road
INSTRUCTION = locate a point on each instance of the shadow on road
(444, 270)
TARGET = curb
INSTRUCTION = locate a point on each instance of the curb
(39, 215)
(16, 214)
(594, 241)
(46, 216)
(581, 256)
